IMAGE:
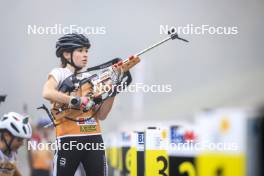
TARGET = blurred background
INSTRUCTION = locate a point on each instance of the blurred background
(211, 71)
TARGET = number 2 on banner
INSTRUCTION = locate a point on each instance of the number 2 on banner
(187, 167)
(165, 165)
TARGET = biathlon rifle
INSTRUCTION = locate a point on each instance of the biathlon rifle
(96, 87)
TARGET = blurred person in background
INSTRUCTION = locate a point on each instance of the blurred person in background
(41, 159)
(14, 129)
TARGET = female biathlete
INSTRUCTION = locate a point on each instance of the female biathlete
(72, 49)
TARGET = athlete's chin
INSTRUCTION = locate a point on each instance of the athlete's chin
(83, 64)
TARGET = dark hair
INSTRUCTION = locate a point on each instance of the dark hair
(63, 62)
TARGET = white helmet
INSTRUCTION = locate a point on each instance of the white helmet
(16, 124)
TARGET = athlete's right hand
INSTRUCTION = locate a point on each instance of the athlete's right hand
(87, 103)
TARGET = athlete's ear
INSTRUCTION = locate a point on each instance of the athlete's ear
(67, 55)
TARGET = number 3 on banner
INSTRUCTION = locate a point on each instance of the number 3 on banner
(156, 163)
(187, 167)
